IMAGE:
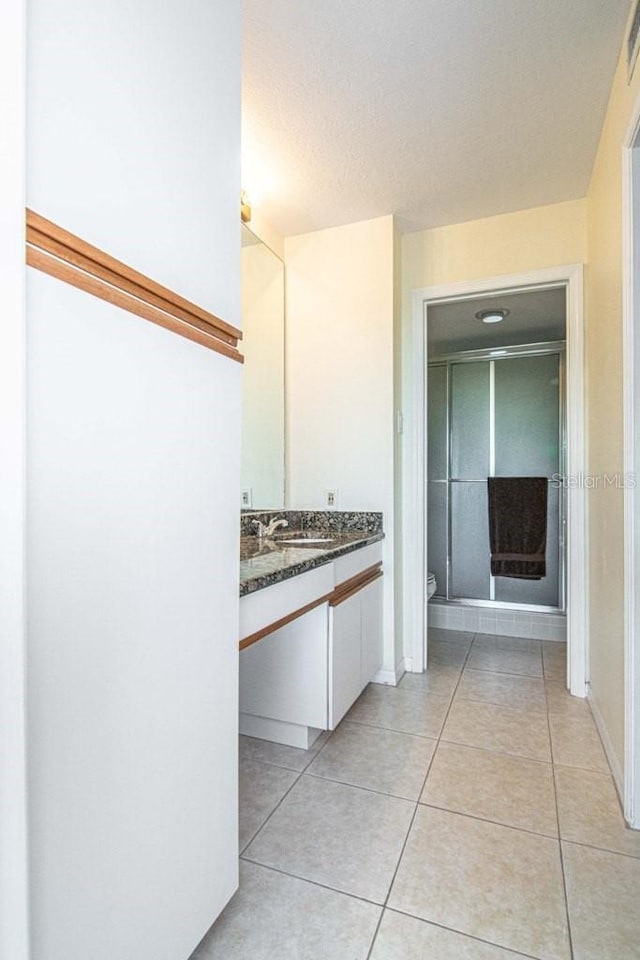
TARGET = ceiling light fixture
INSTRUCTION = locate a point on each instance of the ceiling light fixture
(492, 316)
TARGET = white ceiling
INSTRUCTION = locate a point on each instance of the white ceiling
(535, 316)
(438, 111)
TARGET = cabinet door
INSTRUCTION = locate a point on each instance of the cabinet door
(284, 675)
(371, 628)
(345, 668)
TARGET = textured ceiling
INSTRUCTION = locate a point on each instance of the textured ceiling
(535, 316)
(438, 111)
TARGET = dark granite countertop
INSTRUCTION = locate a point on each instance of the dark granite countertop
(264, 562)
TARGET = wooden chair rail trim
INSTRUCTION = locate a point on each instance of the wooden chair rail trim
(97, 288)
(53, 243)
(277, 624)
(347, 589)
(337, 596)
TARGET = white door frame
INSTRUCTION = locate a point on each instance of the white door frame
(415, 461)
(14, 934)
(631, 387)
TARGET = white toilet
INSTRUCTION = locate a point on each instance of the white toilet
(431, 585)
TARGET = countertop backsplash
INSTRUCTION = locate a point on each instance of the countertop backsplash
(333, 521)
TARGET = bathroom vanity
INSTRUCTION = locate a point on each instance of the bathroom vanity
(310, 621)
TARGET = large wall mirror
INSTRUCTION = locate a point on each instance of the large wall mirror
(263, 471)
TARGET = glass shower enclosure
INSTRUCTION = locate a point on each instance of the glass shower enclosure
(493, 413)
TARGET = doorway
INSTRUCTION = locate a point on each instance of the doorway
(415, 459)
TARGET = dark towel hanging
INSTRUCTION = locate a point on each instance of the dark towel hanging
(518, 526)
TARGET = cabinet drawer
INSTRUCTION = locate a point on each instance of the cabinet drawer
(264, 607)
(357, 561)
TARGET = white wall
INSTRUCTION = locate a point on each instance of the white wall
(13, 857)
(340, 387)
(133, 464)
(133, 110)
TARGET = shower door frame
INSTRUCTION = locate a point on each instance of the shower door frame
(415, 459)
(488, 354)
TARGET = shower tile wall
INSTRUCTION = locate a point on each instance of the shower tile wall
(500, 621)
(490, 418)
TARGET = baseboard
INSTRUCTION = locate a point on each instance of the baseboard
(614, 764)
(391, 678)
(498, 621)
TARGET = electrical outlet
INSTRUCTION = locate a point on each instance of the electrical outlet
(246, 499)
(331, 499)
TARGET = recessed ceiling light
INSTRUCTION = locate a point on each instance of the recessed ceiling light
(492, 316)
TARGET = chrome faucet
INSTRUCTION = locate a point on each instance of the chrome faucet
(268, 529)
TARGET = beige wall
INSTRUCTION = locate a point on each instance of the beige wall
(605, 414)
(527, 240)
(261, 227)
(340, 356)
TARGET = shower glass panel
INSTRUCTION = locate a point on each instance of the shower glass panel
(527, 416)
(492, 417)
(437, 422)
(469, 420)
(470, 572)
(437, 527)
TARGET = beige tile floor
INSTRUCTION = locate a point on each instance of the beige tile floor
(467, 814)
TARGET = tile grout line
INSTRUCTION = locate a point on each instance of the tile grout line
(359, 786)
(313, 883)
(560, 851)
(286, 794)
(495, 823)
(461, 933)
(492, 703)
(417, 806)
(591, 846)
(382, 907)
(502, 753)
(377, 726)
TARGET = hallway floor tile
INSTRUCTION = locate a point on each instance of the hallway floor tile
(467, 814)
(472, 781)
(483, 879)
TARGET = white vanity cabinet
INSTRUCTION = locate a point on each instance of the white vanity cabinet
(309, 645)
(355, 643)
(283, 682)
